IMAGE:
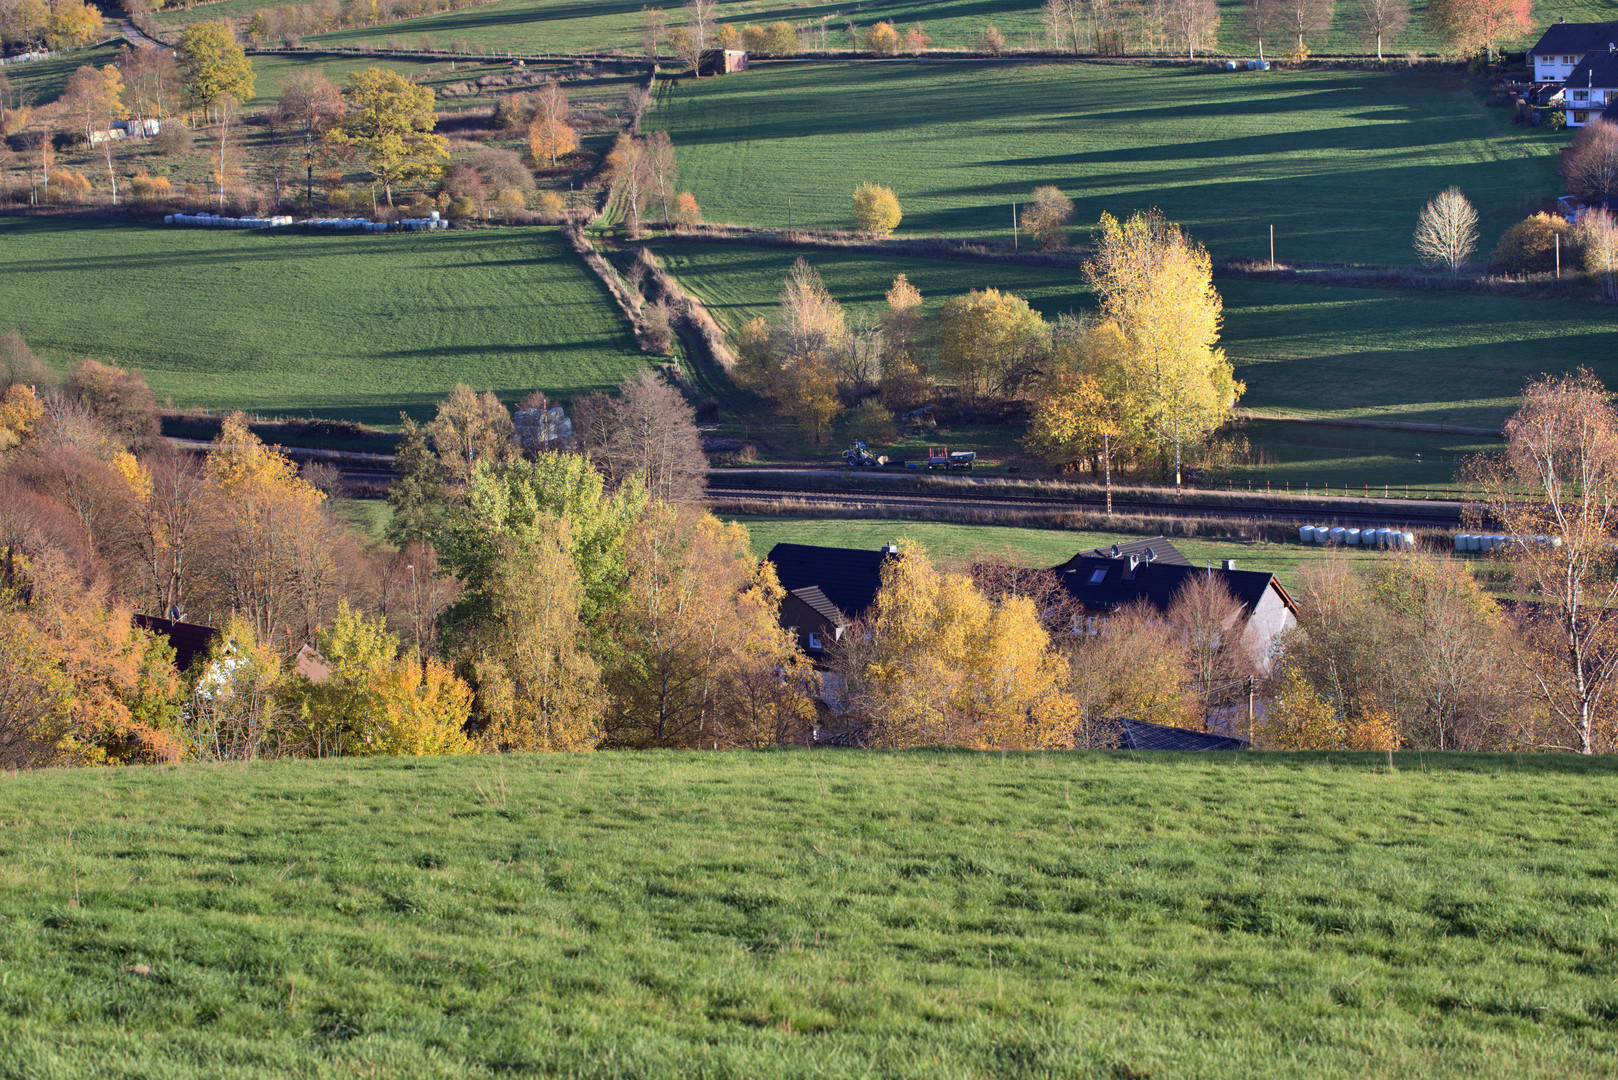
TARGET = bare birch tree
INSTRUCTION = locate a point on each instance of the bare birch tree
(1192, 24)
(1597, 235)
(1590, 164)
(1555, 491)
(1377, 21)
(1447, 231)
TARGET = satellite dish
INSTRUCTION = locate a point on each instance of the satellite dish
(1150, 555)
(1114, 551)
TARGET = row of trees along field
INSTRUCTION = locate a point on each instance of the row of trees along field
(1140, 379)
(580, 599)
(379, 121)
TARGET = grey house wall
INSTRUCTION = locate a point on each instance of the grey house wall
(1268, 622)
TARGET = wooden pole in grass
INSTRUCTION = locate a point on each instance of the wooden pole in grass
(1558, 238)
(1272, 247)
(1015, 241)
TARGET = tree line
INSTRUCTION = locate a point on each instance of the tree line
(1141, 379)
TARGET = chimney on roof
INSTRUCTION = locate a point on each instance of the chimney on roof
(1134, 561)
(890, 549)
(1230, 564)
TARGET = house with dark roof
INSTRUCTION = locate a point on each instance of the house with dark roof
(1152, 548)
(1564, 45)
(827, 589)
(1144, 735)
(1592, 85)
(190, 640)
(1103, 585)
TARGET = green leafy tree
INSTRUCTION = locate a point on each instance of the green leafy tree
(390, 123)
(217, 76)
(418, 499)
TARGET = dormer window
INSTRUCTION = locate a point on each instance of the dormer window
(1098, 575)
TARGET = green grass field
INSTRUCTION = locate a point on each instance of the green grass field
(1339, 162)
(1303, 350)
(813, 914)
(566, 25)
(961, 545)
(347, 327)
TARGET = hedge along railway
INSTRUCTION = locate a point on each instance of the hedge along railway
(1340, 162)
(352, 327)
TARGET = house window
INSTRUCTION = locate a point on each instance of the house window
(1098, 576)
(1581, 95)
(1567, 60)
(814, 641)
(1581, 117)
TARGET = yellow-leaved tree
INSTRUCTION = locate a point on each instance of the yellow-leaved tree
(1086, 409)
(390, 122)
(937, 663)
(990, 343)
(876, 210)
(1156, 284)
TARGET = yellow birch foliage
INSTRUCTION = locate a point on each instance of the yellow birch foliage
(876, 210)
(1299, 718)
(946, 666)
(882, 39)
(415, 711)
(20, 411)
(989, 342)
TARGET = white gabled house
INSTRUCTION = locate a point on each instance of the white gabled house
(1592, 86)
(1563, 47)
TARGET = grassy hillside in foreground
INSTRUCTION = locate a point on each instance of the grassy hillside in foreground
(952, 544)
(563, 25)
(354, 327)
(798, 914)
(1339, 162)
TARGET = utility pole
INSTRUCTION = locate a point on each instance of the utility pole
(1015, 243)
(1272, 247)
(1558, 238)
(1250, 706)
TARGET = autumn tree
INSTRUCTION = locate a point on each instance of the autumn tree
(1477, 26)
(1305, 20)
(1597, 237)
(1068, 24)
(1268, 19)
(550, 134)
(310, 104)
(235, 711)
(904, 380)
(1046, 218)
(990, 343)
(119, 400)
(1192, 24)
(1590, 164)
(686, 210)
(790, 358)
(881, 38)
(390, 123)
(471, 429)
(654, 435)
(1379, 21)
(991, 41)
(696, 35)
(538, 686)
(1086, 409)
(35, 698)
(876, 210)
(1156, 284)
(690, 615)
(1536, 244)
(1558, 479)
(1130, 664)
(217, 76)
(70, 24)
(1447, 231)
(94, 98)
(937, 663)
(151, 82)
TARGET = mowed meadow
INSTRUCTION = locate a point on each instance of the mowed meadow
(1340, 162)
(571, 26)
(351, 327)
(813, 914)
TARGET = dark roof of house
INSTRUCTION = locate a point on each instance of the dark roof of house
(1162, 551)
(190, 640)
(1106, 584)
(816, 599)
(1142, 735)
(1574, 38)
(1596, 69)
(848, 578)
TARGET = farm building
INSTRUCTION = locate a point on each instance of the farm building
(1560, 50)
(190, 640)
(1105, 583)
(722, 62)
(827, 589)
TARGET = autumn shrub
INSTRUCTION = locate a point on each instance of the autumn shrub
(173, 139)
(1530, 246)
(67, 186)
(876, 210)
(148, 188)
(991, 41)
(882, 39)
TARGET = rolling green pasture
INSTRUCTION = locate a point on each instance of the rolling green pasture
(1339, 162)
(1303, 350)
(813, 914)
(960, 545)
(344, 327)
(567, 25)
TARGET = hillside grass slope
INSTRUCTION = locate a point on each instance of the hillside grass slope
(820, 913)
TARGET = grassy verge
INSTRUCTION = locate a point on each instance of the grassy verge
(813, 914)
(345, 327)
(1339, 162)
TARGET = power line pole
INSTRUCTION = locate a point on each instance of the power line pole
(1272, 247)
(1015, 243)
